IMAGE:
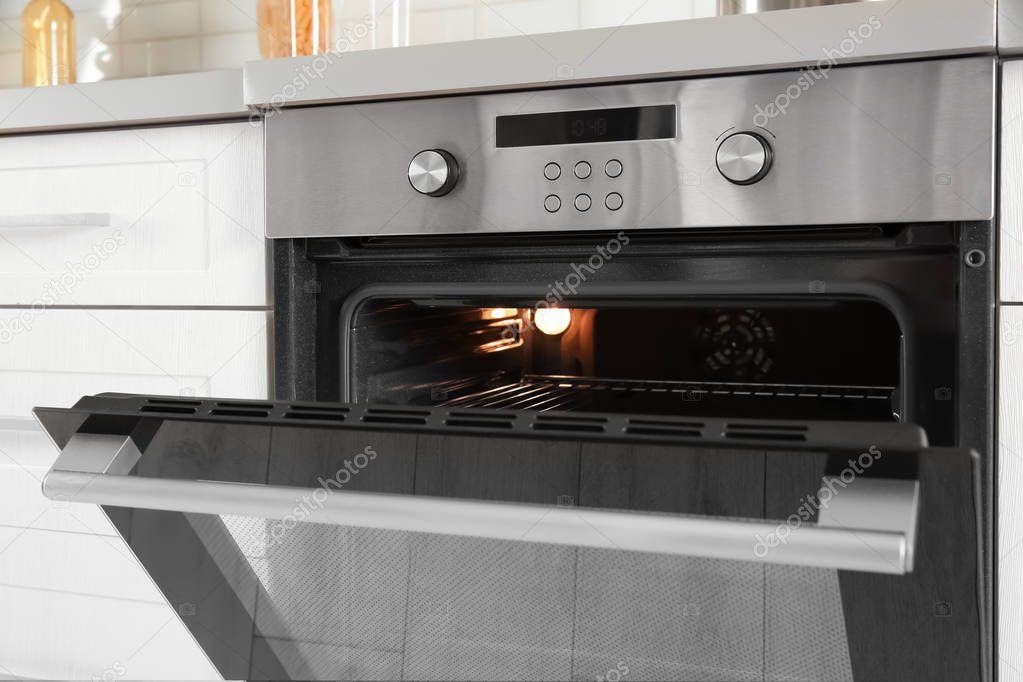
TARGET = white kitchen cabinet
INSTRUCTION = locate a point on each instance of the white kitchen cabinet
(51, 634)
(154, 216)
(1010, 495)
(74, 602)
(52, 560)
(1010, 224)
(65, 354)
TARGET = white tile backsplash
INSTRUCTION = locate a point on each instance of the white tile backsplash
(228, 16)
(223, 51)
(164, 20)
(127, 38)
(159, 57)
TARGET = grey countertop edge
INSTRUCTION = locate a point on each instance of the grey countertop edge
(206, 95)
(773, 40)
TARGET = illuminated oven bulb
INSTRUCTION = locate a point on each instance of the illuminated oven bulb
(552, 321)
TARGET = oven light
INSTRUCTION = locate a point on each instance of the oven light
(552, 321)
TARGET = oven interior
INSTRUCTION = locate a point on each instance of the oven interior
(806, 357)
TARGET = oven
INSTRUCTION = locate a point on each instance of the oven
(667, 380)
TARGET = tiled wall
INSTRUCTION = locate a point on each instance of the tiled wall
(128, 38)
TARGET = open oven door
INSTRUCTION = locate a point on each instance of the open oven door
(314, 540)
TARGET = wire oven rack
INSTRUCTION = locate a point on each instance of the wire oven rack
(547, 392)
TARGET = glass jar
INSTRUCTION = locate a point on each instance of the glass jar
(48, 43)
(293, 28)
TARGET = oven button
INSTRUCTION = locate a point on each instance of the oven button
(744, 158)
(433, 172)
(583, 202)
(613, 168)
(582, 170)
(552, 171)
(613, 201)
(552, 203)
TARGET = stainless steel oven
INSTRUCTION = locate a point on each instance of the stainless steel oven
(669, 380)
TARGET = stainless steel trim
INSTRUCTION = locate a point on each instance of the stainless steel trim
(881, 549)
(883, 143)
(726, 7)
(882, 504)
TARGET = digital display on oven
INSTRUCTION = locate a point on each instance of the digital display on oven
(591, 125)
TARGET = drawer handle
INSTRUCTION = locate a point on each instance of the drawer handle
(869, 527)
(36, 220)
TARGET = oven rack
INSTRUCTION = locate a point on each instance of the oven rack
(552, 392)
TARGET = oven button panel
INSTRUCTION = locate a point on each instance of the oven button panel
(583, 171)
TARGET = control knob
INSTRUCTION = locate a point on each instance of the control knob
(433, 172)
(744, 158)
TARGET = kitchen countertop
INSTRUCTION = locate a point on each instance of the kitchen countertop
(205, 95)
(887, 29)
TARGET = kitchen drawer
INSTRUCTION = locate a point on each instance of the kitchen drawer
(59, 635)
(156, 216)
(68, 353)
(25, 455)
(1010, 497)
(95, 565)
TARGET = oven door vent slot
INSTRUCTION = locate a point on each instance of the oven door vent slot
(658, 427)
(167, 409)
(795, 433)
(239, 412)
(239, 405)
(337, 415)
(480, 420)
(565, 422)
(378, 415)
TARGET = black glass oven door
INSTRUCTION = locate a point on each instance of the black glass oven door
(315, 540)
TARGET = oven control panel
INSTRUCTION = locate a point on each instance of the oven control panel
(702, 152)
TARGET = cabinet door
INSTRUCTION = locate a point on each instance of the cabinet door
(61, 355)
(156, 216)
(1010, 227)
(1010, 495)
(75, 602)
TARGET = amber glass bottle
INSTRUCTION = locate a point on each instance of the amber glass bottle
(293, 28)
(48, 43)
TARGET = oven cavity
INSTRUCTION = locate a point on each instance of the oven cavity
(799, 358)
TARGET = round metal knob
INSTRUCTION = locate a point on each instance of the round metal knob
(433, 172)
(744, 158)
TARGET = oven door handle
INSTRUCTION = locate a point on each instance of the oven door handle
(869, 524)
